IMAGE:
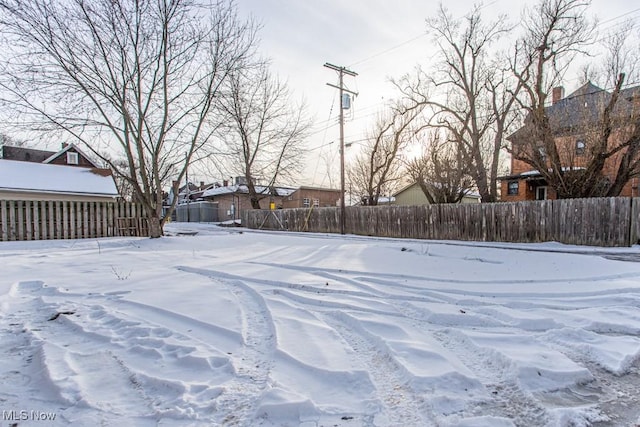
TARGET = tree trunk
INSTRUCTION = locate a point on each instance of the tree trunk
(155, 229)
(255, 203)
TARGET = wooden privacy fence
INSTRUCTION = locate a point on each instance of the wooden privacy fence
(595, 221)
(42, 220)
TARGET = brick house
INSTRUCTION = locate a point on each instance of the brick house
(306, 197)
(569, 117)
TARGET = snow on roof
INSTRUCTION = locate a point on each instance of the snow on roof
(260, 189)
(41, 177)
(536, 172)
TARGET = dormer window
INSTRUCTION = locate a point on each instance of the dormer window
(580, 147)
(72, 158)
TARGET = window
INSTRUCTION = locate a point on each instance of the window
(580, 146)
(316, 203)
(543, 153)
(512, 188)
(72, 158)
(306, 202)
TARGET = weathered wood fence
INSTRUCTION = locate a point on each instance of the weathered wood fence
(42, 220)
(596, 221)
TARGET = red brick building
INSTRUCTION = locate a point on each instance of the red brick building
(569, 117)
(306, 197)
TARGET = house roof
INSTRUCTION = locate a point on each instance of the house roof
(534, 174)
(242, 189)
(405, 188)
(46, 178)
(24, 154)
(64, 150)
(305, 187)
(585, 105)
(471, 194)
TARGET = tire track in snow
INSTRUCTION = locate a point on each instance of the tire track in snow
(393, 278)
(239, 400)
(508, 399)
(102, 357)
(78, 367)
(622, 401)
(401, 406)
(616, 394)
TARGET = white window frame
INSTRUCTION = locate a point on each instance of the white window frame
(73, 158)
(316, 203)
(542, 191)
(306, 202)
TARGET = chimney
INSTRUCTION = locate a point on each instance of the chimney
(225, 183)
(201, 185)
(557, 94)
(64, 145)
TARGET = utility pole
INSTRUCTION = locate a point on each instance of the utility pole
(341, 72)
(186, 177)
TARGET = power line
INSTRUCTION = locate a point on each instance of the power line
(412, 39)
(619, 16)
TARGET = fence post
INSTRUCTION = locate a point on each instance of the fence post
(633, 221)
(28, 218)
(4, 220)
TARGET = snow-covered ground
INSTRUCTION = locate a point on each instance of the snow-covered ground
(231, 327)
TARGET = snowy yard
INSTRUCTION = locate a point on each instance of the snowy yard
(231, 327)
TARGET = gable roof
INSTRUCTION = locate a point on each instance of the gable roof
(410, 185)
(46, 178)
(585, 105)
(67, 148)
(24, 154)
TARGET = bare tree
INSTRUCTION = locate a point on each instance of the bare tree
(264, 131)
(9, 140)
(440, 171)
(137, 78)
(476, 93)
(571, 142)
(378, 166)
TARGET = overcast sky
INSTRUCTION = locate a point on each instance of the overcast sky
(377, 39)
